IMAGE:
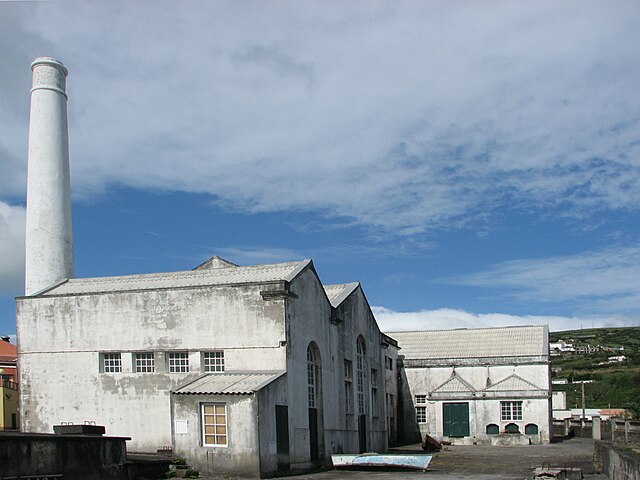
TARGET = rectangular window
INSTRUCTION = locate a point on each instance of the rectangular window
(214, 425)
(144, 362)
(510, 411)
(111, 362)
(421, 408)
(178, 362)
(388, 361)
(213, 361)
(348, 386)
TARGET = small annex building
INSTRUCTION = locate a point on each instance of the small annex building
(242, 369)
(476, 386)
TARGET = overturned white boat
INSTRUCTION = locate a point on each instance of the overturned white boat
(417, 461)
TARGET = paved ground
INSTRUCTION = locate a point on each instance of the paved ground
(480, 462)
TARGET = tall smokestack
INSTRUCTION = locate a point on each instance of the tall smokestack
(49, 242)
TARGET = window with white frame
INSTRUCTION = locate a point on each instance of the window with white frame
(511, 410)
(214, 425)
(178, 362)
(421, 408)
(348, 386)
(213, 361)
(144, 362)
(111, 362)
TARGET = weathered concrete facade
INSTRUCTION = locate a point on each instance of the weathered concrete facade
(473, 386)
(125, 352)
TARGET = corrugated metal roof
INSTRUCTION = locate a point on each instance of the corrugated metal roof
(229, 383)
(530, 340)
(339, 292)
(189, 278)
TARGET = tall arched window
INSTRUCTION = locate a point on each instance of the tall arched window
(312, 383)
(360, 374)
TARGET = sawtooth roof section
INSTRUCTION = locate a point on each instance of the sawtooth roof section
(338, 293)
(229, 383)
(454, 384)
(182, 279)
(530, 340)
(513, 383)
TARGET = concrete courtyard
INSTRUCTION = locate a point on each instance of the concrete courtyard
(480, 462)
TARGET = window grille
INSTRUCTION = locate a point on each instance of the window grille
(178, 362)
(213, 361)
(510, 411)
(214, 425)
(145, 362)
(111, 362)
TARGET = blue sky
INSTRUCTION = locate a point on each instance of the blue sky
(472, 164)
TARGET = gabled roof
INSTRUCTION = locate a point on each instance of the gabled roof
(229, 383)
(215, 262)
(338, 293)
(513, 383)
(530, 340)
(454, 384)
(189, 278)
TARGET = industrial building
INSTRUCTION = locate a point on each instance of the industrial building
(477, 386)
(249, 370)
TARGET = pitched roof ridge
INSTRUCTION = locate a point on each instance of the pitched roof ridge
(184, 273)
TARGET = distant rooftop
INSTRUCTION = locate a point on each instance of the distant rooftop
(215, 271)
(530, 340)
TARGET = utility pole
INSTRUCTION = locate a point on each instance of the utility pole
(583, 405)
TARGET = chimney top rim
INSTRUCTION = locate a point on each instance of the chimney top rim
(51, 62)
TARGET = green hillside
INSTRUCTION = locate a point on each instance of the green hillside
(615, 385)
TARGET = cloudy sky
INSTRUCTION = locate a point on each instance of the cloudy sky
(471, 163)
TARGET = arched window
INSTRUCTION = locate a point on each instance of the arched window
(512, 428)
(531, 429)
(360, 374)
(312, 375)
(493, 429)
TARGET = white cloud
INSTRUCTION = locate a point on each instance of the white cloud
(443, 319)
(593, 281)
(12, 229)
(405, 116)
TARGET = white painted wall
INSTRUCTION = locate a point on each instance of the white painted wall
(484, 405)
(60, 340)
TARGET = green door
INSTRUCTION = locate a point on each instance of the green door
(456, 419)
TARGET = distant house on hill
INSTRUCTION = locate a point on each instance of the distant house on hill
(488, 385)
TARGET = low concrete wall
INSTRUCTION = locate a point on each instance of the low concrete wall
(615, 462)
(625, 431)
(81, 457)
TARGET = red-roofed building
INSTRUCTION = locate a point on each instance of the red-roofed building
(8, 385)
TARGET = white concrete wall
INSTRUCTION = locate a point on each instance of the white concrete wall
(484, 408)
(60, 340)
(241, 454)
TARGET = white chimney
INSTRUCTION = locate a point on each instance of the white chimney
(49, 241)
